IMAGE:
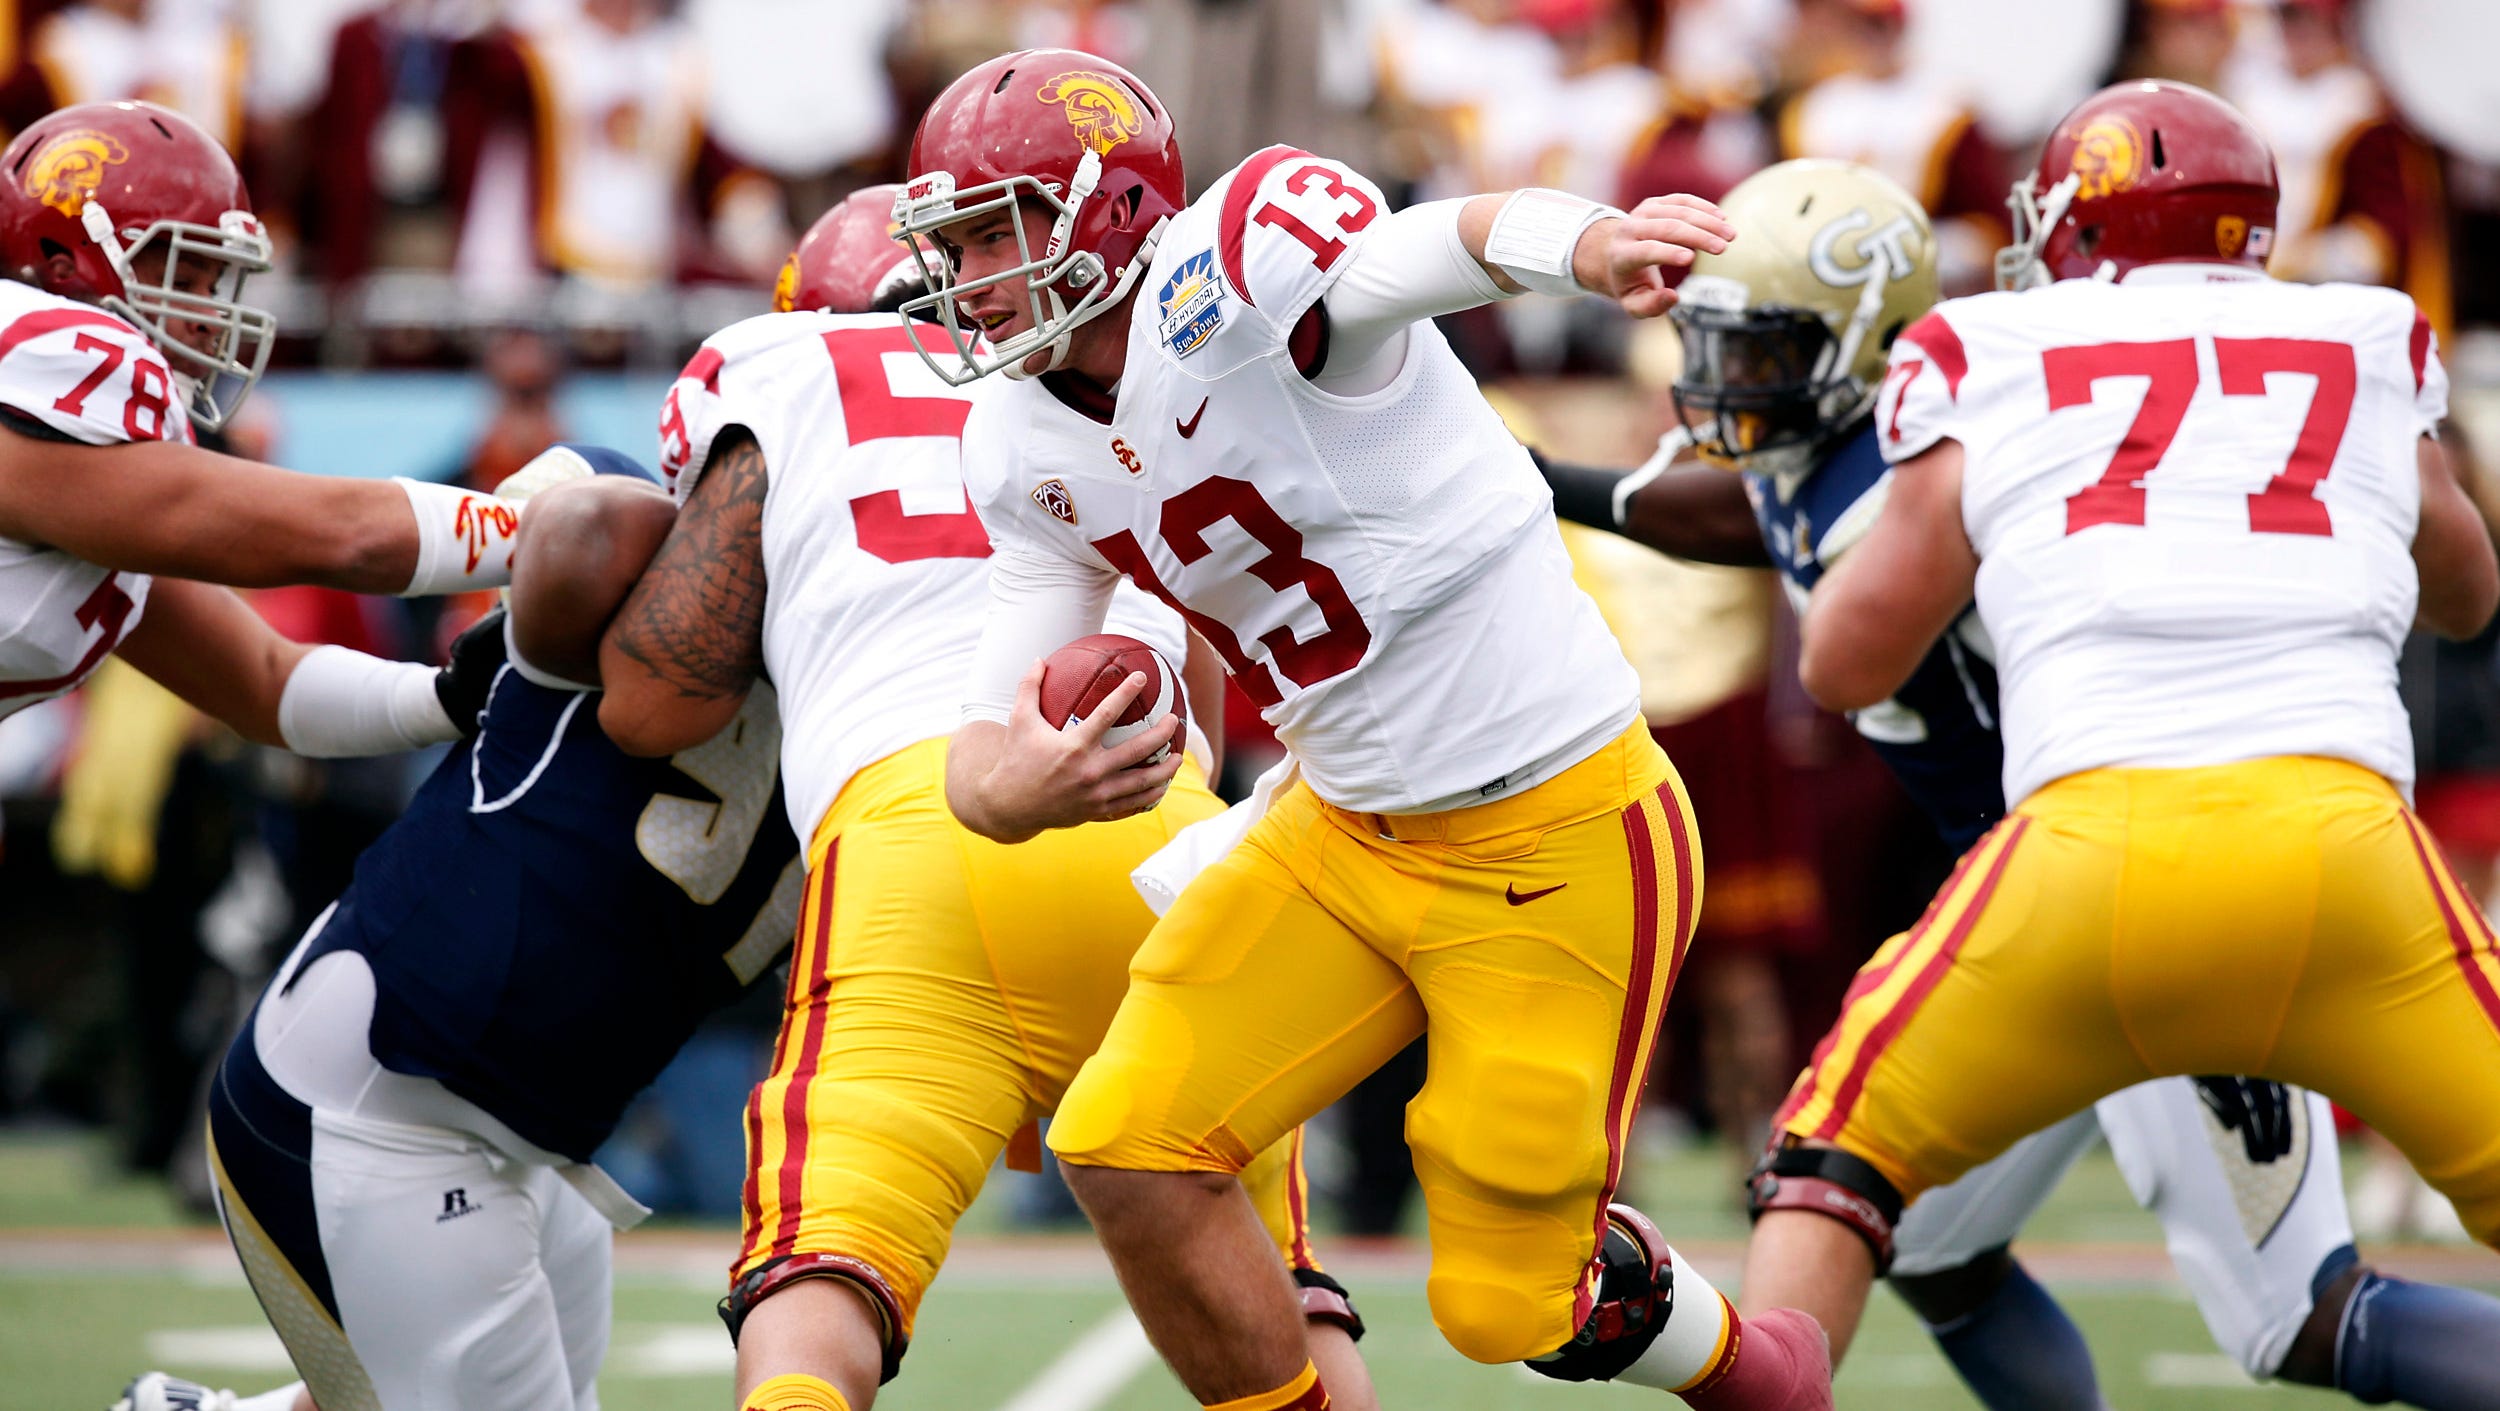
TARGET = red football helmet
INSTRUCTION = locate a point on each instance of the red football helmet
(106, 183)
(851, 260)
(2137, 174)
(1075, 133)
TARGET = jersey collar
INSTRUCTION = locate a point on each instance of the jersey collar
(2191, 272)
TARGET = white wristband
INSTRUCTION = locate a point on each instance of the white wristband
(1536, 232)
(339, 702)
(464, 539)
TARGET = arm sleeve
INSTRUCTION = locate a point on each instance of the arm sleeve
(1039, 602)
(1411, 265)
(1920, 401)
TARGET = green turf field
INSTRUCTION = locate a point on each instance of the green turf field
(98, 1279)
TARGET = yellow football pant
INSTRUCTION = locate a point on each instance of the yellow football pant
(2284, 917)
(944, 989)
(1535, 938)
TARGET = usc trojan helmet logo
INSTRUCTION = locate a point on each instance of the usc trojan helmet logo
(786, 285)
(1098, 107)
(2109, 157)
(66, 170)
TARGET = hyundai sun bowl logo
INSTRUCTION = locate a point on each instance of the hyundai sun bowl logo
(1191, 304)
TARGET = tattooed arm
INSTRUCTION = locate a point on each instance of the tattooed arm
(580, 548)
(679, 658)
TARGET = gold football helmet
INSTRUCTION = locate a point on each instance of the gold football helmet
(1786, 332)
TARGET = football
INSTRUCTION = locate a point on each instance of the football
(1076, 677)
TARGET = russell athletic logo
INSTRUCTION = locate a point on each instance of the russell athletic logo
(1098, 107)
(456, 1204)
(65, 171)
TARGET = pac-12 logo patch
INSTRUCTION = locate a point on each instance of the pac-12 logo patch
(1052, 495)
(1191, 304)
(66, 170)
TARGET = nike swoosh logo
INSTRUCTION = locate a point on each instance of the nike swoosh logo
(1516, 897)
(1189, 428)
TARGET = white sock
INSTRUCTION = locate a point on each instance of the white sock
(1695, 1341)
(283, 1399)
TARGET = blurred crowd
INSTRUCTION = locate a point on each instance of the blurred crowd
(528, 186)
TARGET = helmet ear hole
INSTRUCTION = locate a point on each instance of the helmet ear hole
(1892, 332)
(1124, 209)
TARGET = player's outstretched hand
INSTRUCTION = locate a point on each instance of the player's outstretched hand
(1622, 258)
(1046, 777)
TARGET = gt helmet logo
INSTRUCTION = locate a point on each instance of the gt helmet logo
(1097, 106)
(65, 171)
(2109, 158)
(1889, 245)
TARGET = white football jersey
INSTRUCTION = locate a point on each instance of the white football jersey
(2193, 495)
(83, 375)
(1381, 574)
(877, 569)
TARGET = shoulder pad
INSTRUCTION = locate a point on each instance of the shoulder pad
(90, 376)
(1282, 224)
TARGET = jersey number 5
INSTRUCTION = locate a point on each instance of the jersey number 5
(2289, 504)
(873, 411)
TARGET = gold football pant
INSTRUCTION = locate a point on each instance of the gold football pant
(2283, 917)
(1535, 938)
(944, 989)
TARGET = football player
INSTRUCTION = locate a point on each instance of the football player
(1786, 338)
(1241, 405)
(2199, 511)
(944, 988)
(126, 235)
(401, 1135)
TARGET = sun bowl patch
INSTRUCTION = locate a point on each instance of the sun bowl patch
(1191, 304)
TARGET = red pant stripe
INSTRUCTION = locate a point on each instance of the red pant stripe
(808, 989)
(2459, 940)
(1897, 1018)
(1623, 1088)
(1868, 980)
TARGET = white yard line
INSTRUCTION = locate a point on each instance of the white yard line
(1093, 1369)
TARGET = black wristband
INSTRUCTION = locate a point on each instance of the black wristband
(1583, 494)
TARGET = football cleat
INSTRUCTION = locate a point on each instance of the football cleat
(160, 1391)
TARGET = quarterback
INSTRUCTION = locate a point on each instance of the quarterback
(126, 235)
(1785, 339)
(943, 988)
(1241, 406)
(2198, 511)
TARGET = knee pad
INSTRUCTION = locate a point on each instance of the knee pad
(1635, 1293)
(769, 1278)
(1324, 1300)
(1830, 1183)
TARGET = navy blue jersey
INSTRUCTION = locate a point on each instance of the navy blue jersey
(552, 917)
(1939, 732)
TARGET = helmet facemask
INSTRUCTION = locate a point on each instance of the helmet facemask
(215, 380)
(931, 203)
(2035, 217)
(1764, 384)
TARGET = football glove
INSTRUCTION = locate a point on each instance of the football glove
(476, 656)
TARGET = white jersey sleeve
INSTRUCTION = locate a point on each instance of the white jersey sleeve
(86, 375)
(2430, 376)
(691, 416)
(1920, 401)
(1046, 587)
(1286, 223)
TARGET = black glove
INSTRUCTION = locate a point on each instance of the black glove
(462, 684)
(2260, 1111)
